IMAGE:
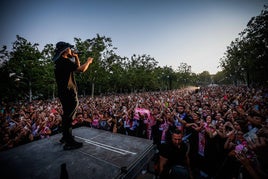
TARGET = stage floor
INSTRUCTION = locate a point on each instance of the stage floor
(103, 155)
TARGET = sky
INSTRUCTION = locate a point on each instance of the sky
(196, 32)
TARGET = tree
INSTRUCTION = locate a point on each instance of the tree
(98, 48)
(25, 65)
(246, 57)
(140, 72)
(221, 78)
(204, 78)
(5, 81)
(183, 74)
(47, 84)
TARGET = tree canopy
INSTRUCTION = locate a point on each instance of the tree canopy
(246, 57)
(27, 72)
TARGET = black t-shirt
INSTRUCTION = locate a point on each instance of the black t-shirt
(175, 155)
(64, 74)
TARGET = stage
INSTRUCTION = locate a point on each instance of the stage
(103, 155)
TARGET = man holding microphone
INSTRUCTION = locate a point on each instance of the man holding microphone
(64, 71)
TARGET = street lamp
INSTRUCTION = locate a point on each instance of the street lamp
(18, 78)
(167, 84)
(93, 85)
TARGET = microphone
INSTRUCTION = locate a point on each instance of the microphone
(77, 52)
(74, 52)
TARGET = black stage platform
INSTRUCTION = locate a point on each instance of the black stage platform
(104, 155)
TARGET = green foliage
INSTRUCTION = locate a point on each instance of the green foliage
(245, 60)
(27, 73)
(21, 69)
(205, 78)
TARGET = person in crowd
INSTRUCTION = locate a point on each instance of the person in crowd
(23, 121)
(174, 159)
(260, 147)
(180, 117)
(195, 126)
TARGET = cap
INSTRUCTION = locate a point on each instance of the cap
(60, 48)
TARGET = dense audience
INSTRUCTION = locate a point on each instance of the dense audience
(226, 126)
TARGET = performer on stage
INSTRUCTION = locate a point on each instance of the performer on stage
(64, 70)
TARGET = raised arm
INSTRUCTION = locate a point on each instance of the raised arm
(84, 67)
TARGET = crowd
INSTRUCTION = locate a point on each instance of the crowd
(226, 126)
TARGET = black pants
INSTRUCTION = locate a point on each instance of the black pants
(175, 172)
(69, 105)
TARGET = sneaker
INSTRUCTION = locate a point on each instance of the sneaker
(63, 140)
(73, 145)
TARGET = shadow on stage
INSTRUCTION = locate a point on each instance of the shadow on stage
(103, 155)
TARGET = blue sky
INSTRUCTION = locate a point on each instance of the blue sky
(195, 32)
